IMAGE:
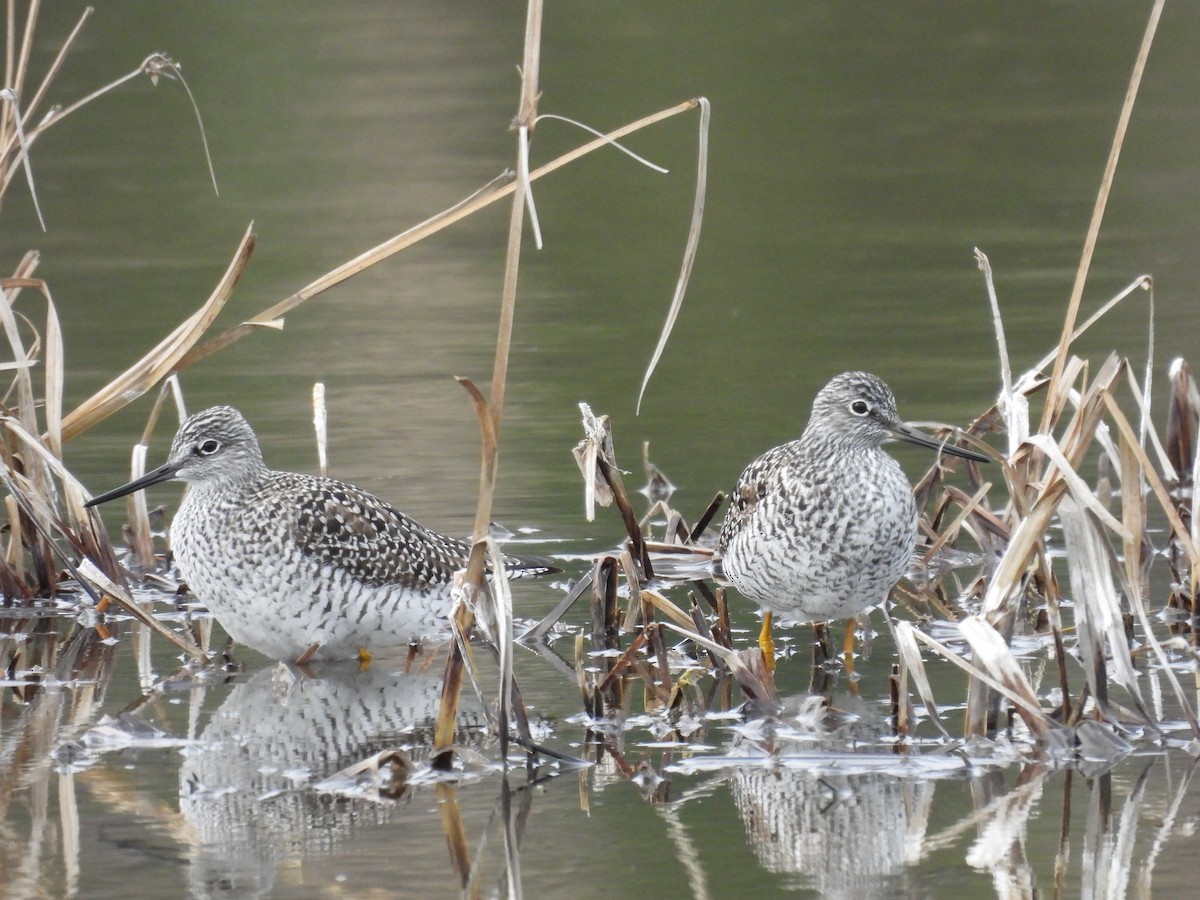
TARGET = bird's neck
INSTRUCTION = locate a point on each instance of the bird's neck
(229, 489)
(823, 441)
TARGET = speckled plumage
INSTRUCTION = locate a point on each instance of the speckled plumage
(823, 527)
(285, 561)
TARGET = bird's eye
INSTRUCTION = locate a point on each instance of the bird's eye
(208, 448)
(860, 407)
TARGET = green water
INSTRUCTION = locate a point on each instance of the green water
(859, 152)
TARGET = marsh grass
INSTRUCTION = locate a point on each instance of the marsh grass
(1111, 652)
(1087, 412)
(1098, 468)
(45, 508)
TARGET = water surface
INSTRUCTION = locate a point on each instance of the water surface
(859, 153)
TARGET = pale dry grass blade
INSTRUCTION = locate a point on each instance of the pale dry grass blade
(667, 608)
(1098, 620)
(617, 145)
(22, 278)
(1147, 432)
(1133, 515)
(597, 442)
(136, 505)
(633, 583)
(1015, 406)
(37, 472)
(137, 511)
(689, 251)
(490, 446)
(89, 571)
(1156, 486)
(1147, 393)
(1133, 511)
(1029, 534)
(18, 78)
(1023, 543)
(912, 665)
(165, 358)
(55, 375)
(57, 64)
(1079, 489)
(23, 154)
(525, 121)
(535, 224)
(44, 454)
(321, 427)
(502, 615)
(995, 667)
(1093, 232)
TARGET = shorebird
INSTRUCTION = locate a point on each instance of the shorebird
(824, 527)
(301, 567)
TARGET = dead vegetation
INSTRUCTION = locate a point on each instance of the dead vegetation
(1087, 414)
(1075, 512)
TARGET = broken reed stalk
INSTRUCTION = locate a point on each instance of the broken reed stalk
(167, 357)
(1029, 535)
(490, 412)
(1093, 232)
(17, 131)
(181, 348)
(495, 190)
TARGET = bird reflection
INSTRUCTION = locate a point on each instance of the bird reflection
(245, 786)
(846, 835)
(837, 818)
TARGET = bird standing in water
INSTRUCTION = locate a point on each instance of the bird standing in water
(298, 566)
(823, 527)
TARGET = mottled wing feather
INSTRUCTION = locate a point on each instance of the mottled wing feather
(376, 543)
(372, 541)
(758, 483)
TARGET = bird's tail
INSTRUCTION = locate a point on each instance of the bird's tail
(528, 566)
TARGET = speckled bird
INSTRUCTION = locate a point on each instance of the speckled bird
(823, 527)
(298, 566)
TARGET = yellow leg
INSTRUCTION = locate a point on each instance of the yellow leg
(848, 647)
(766, 643)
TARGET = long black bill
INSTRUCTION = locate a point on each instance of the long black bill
(905, 432)
(156, 476)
